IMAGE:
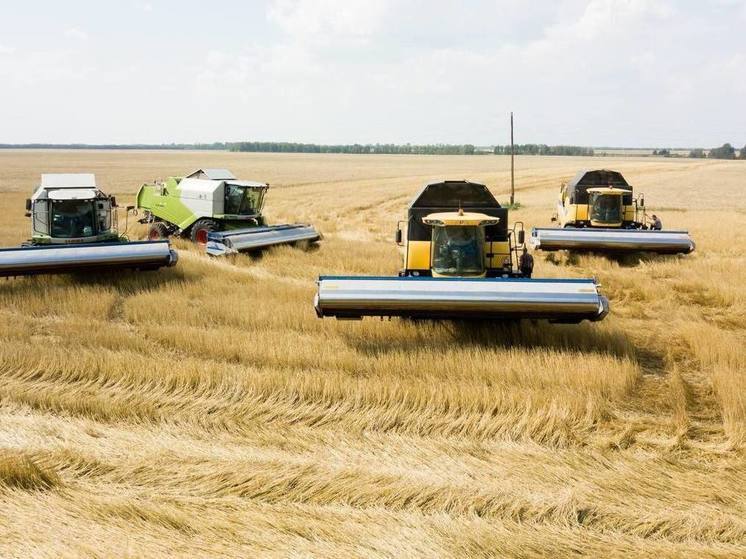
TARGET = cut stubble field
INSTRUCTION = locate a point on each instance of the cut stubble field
(204, 410)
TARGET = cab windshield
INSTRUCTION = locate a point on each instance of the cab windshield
(243, 200)
(605, 208)
(457, 251)
(73, 219)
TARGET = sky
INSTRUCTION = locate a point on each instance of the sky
(631, 73)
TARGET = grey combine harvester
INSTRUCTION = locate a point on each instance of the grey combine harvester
(74, 229)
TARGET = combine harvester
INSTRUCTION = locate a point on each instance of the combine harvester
(461, 261)
(74, 229)
(597, 212)
(214, 209)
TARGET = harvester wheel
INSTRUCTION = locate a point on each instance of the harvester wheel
(201, 229)
(157, 231)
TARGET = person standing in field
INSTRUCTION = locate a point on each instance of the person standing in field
(656, 224)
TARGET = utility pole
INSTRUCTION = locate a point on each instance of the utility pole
(512, 163)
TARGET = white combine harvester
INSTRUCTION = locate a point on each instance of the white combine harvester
(74, 229)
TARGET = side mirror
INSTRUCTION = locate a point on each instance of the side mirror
(113, 202)
(398, 237)
(642, 201)
(521, 237)
(28, 204)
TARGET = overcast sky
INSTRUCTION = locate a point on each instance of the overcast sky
(600, 72)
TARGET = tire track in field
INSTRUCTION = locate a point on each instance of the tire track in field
(256, 272)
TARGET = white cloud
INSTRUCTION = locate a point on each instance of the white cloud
(614, 72)
(76, 33)
(6, 50)
(324, 21)
(258, 77)
(45, 68)
(606, 72)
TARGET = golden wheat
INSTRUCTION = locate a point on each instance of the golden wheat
(205, 410)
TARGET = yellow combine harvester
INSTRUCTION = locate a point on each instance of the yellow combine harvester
(596, 211)
(461, 261)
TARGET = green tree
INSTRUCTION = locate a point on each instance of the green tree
(726, 151)
(697, 153)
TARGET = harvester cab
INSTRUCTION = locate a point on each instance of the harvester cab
(70, 209)
(597, 211)
(74, 227)
(215, 209)
(457, 243)
(460, 261)
(458, 229)
(606, 206)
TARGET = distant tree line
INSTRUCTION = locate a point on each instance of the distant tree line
(293, 147)
(726, 151)
(665, 152)
(424, 149)
(697, 153)
(275, 147)
(543, 149)
(296, 147)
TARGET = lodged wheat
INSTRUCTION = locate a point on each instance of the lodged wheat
(205, 411)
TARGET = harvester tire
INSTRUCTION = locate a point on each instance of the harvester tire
(157, 231)
(201, 229)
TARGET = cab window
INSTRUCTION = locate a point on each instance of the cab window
(241, 200)
(457, 251)
(73, 219)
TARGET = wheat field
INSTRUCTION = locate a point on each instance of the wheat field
(204, 410)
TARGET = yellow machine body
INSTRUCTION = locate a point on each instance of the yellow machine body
(447, 214)
(599, 198)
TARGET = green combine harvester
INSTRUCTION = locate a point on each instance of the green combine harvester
(214, 209)
(75, 229)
